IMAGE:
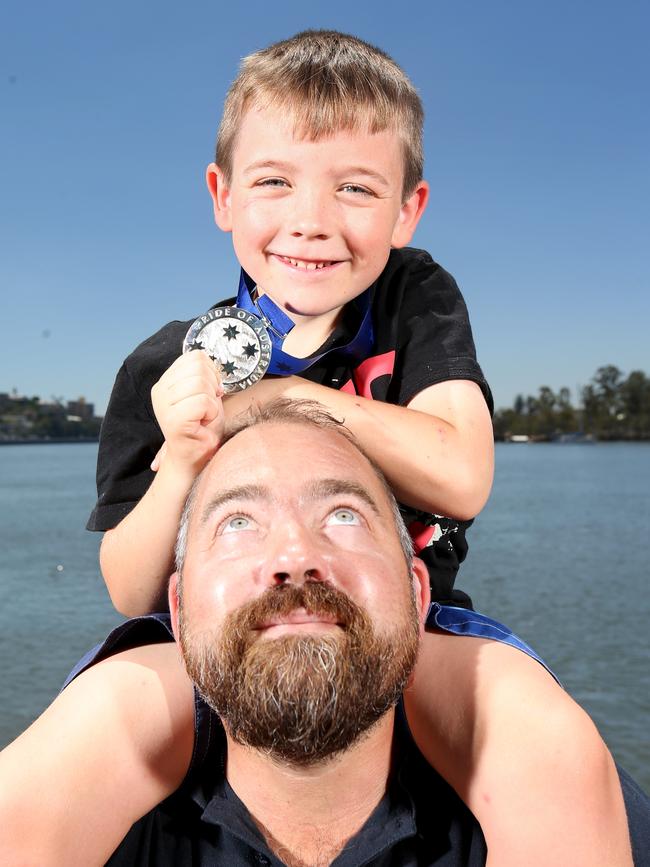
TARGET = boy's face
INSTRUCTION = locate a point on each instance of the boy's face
(313, 221)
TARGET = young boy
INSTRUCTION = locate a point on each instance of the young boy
(318, 176)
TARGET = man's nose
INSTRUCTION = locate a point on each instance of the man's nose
(310, 216)
(294, 556)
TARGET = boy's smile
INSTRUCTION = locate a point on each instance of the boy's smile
(313, 221)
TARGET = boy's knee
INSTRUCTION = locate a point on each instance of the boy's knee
(570, 740)
(538, 724)
(543, 765)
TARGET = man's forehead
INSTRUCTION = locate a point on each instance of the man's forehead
(291, 452)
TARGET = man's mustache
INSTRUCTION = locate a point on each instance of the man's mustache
(317, 598)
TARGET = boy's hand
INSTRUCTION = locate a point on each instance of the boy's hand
(187, 401)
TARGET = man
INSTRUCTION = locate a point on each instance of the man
(298, 614)
(298, 610)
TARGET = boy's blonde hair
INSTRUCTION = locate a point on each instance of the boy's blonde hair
(328, 82)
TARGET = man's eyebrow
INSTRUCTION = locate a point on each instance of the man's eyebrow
(236, 494)
(323, 488)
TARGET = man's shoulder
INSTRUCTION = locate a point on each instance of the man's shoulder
(135, 632)
(439, 812)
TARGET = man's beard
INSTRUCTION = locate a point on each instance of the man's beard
(301, 698)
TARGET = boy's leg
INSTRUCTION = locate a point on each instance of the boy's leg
(526, 759)
(111, 746)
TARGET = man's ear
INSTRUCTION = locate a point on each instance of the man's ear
(219, 191)
(172, 594)
(422, 588)
(409, 215)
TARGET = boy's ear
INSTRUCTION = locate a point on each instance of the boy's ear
(409, 215)
(220, 194)
(172, 592)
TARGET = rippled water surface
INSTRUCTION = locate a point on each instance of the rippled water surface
(561, 553)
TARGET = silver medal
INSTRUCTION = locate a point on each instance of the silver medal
(237, 341)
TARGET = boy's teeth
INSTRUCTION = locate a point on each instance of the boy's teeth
(308, 266)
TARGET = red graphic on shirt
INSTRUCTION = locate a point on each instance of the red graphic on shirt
(423, 535)
(368, 371)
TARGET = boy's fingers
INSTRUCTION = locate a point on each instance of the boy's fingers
(155, 463)
(191, 385)
(198, 408)
(214, 411)
(207, 372)
(193, 363)
(216, 423)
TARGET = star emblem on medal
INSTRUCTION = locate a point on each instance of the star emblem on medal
(230, 331)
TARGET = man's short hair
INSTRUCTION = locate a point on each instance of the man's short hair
(327, 82)
(302, 412)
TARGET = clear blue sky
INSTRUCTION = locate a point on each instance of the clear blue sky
(537, 150)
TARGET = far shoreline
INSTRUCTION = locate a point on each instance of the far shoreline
(49, 442)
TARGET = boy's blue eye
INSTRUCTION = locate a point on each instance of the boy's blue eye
(272, 182)
(355, 188)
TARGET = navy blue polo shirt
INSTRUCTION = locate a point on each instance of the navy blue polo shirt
(419, 821)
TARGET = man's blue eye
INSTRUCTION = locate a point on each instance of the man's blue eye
(342, 517)
(238, 522)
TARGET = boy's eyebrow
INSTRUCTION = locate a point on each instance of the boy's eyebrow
(323, 488)
(363, 170)
(238, 493)
(281, 165)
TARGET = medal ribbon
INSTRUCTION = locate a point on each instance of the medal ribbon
(279, 325)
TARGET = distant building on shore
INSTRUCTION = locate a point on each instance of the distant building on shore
(30, 419)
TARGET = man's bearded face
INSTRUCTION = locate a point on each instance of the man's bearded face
(301, 697)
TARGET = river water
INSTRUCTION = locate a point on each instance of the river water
(561, 554)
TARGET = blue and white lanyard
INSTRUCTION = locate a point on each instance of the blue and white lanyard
(279, 325)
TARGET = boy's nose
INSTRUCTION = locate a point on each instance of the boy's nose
(310, 217)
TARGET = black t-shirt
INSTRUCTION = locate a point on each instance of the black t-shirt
(422, 337)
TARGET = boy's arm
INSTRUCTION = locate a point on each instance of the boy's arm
(112, 745)
(437, 453)
(136, 556)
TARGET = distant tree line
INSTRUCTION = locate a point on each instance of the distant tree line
(612, 407)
